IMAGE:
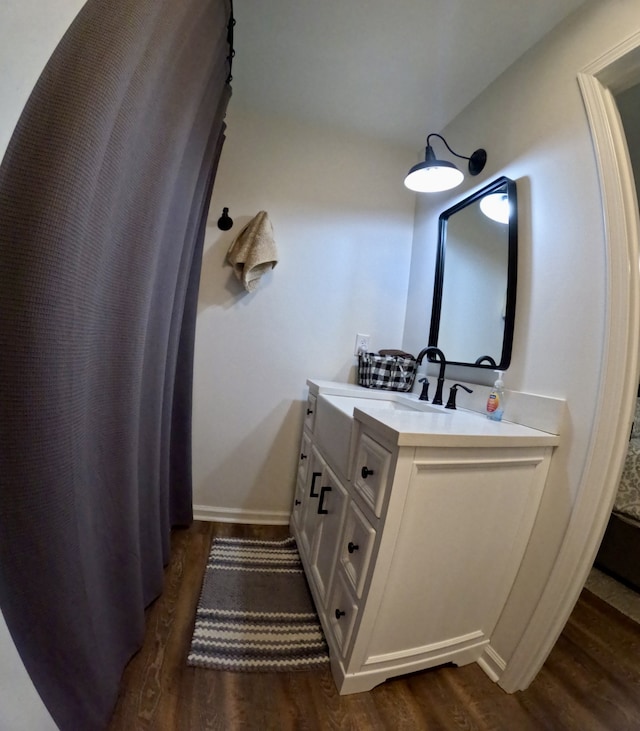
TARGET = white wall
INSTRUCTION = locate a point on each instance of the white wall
(343, 225)
(29, 32)
(533, 124)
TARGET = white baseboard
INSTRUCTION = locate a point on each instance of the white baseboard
(492, 663)
(239, 515)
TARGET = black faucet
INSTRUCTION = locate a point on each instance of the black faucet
(437, 399)
(451, 403)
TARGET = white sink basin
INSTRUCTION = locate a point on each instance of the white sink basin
(347, 404)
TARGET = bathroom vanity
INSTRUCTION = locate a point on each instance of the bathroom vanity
(411, 522)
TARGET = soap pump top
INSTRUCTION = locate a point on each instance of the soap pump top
(495, 402)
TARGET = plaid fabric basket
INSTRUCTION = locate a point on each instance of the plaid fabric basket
(389, 372)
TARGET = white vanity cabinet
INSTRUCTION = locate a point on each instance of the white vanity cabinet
(413, 561)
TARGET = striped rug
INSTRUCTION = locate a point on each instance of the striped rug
(255, 612)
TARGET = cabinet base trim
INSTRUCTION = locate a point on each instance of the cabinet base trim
(492, 663)
(462, 642)
(238, 515)
(363, 680)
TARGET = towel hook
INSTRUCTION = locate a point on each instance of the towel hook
(225, 222)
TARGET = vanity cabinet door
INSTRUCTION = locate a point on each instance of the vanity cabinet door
(304, 458)
(297, 511)
(311, 493)
(331, 508)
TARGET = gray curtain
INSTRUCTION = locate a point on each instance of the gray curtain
(103, 201)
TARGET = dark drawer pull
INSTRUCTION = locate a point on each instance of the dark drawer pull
(351, 547)
(322, 510)
(314, 477)
(302, 456)
(309, 412)
(339, 614)
(298, 502)
(365, 472)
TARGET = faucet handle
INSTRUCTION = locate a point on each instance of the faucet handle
(451, 403)
(424, 396)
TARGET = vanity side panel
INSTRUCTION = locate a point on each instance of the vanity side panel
(464, 528)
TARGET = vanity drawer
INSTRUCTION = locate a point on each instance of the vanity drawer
(357, 545)
(342, 612)
(310, 413)
(371, 472)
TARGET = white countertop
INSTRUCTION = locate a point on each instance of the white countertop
(426, 425)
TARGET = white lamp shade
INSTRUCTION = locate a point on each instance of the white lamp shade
(433, 177)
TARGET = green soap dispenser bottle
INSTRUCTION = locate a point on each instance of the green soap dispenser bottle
(495, 402)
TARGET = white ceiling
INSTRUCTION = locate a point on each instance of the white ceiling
(393, 69)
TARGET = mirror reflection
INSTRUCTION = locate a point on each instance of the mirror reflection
(475, 281)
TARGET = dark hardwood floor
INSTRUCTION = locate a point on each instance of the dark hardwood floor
(591, 680)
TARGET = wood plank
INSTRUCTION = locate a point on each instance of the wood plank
(590, 681)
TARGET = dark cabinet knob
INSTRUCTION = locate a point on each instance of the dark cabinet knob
(302, 456)
(351, 547)
(309, 412)
(339, 614)
(298, 502)
(365, 472)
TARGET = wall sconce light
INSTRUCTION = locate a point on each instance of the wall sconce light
(434, 175)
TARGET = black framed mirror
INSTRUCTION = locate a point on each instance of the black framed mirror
(474, 296)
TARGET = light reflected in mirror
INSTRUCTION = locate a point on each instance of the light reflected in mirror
(475, 281)
(496, 207)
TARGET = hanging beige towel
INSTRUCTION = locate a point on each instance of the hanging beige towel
(253, 251)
